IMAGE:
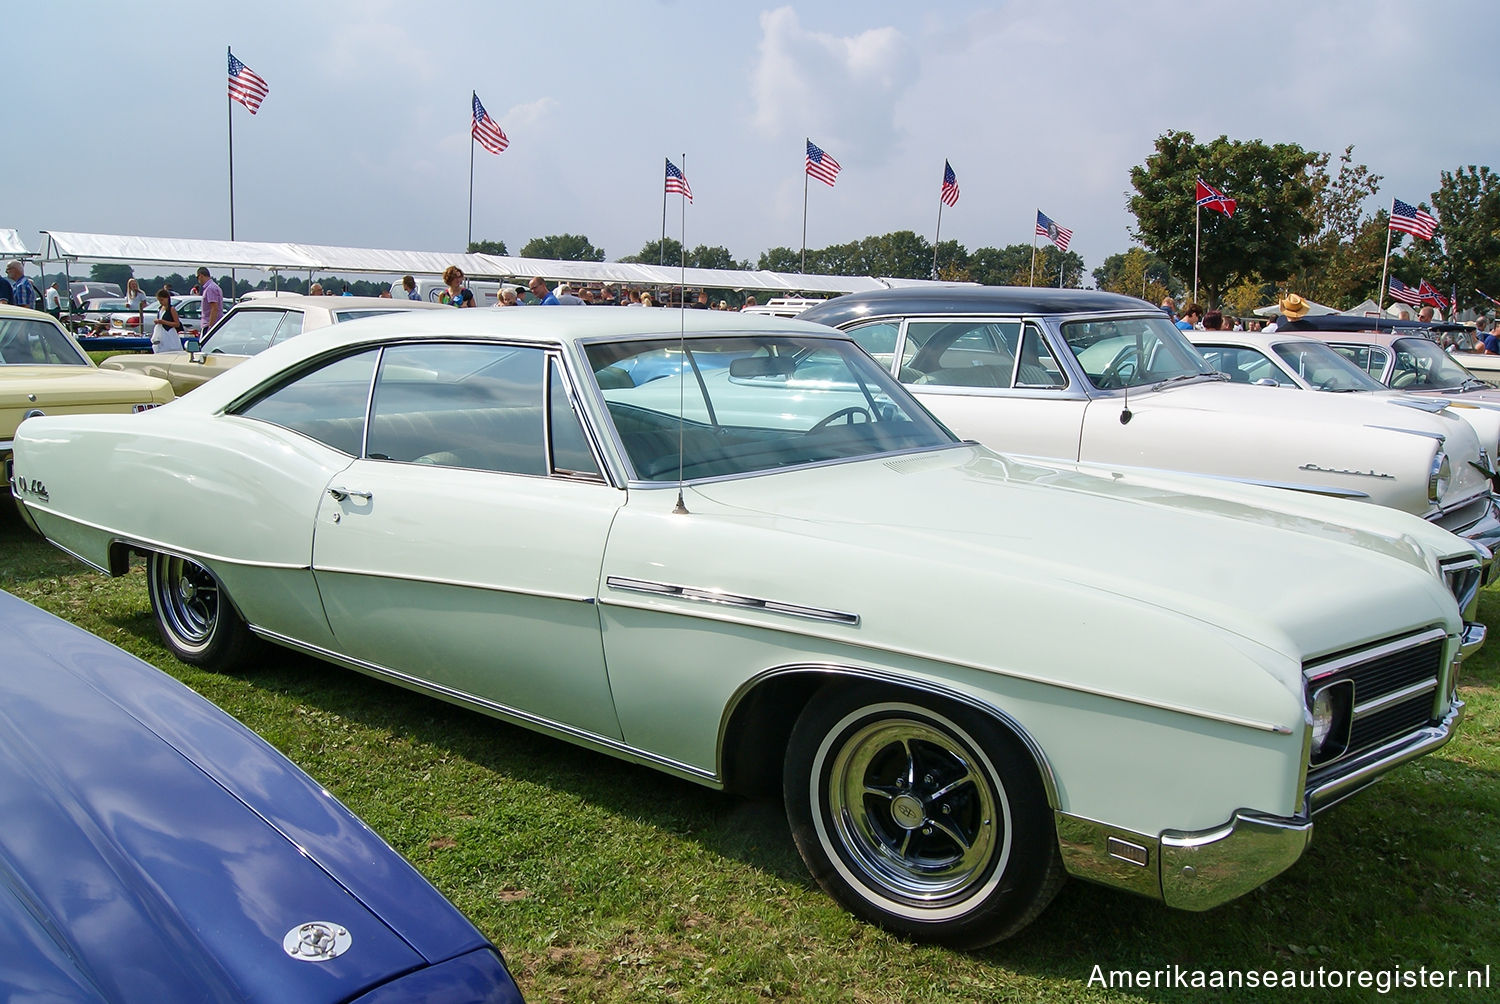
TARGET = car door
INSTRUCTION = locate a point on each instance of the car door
(462, 549)
(992, 379)
(243, 332)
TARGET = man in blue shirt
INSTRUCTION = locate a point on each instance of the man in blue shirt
(543, 295)
(1192, 314)
(22, 292)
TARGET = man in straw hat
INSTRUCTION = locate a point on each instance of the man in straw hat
(1293, 308)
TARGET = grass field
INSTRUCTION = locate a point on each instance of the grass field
(607, 882)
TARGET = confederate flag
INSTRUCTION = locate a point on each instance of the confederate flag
(1211, 197)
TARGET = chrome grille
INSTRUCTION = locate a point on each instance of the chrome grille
(1396, 689)
(1465, 516)
(1463, 577)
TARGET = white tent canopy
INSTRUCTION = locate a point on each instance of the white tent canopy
(290, 257)
(11, 245)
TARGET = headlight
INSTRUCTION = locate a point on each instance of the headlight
(1332, 713)
(1438, 477)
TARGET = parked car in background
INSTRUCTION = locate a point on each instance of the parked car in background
(1409, 363)
(1106, 378)
(43, 371)
(968, 675)
(157, 850)
(782, 306)
(1299, 359)
(114, 317)
(251, 327)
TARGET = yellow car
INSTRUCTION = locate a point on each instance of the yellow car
(43, 371)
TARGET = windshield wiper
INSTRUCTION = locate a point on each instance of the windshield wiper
(1189, 376)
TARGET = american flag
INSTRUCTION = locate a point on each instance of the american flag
(246, 86)
(949, 194)
(1054, 233)
(821, 166)
(1411, 220)
(490, 136)
(1211, 198)
(677, 182)
(1429, 294)
(1401, 291)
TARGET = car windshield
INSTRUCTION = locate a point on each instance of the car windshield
(742, 404)
(1323, 368)
(1133, 351)
(24, 342)
(1422, 365)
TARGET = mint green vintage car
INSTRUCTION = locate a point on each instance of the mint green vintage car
(763, 565)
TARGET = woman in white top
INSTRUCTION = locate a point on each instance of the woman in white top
(167, 335)
(134, 298)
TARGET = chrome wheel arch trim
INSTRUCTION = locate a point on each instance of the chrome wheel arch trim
(1038, 756)
(513, 716)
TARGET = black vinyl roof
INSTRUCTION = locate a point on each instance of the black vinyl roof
(969, 300)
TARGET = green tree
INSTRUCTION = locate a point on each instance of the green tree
(1467, 205)
(1343, 255)
(1137, 272)
(779, 259)
(488, 247)
(1272, 184)
(658, 252)
(562, 247)
(117, 274)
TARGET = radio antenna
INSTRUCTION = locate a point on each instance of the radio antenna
(681, 509)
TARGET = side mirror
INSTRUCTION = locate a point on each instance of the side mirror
(192, 346)
(1267, 382)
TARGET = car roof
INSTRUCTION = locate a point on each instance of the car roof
(971, 300)
(6, 310)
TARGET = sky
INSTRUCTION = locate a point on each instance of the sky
(364, 138)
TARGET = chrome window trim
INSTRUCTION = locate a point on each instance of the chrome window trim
(1319, 670)
(557, 361)
(715, 595)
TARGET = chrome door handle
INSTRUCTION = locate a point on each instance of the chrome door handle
(340, 494)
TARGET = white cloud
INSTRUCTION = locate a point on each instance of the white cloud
(528, 114)
(841, 90)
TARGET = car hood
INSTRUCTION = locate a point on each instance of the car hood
(154, 849)
(68, 386)
(1073, 546)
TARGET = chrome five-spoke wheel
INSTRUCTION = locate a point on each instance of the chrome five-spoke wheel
(194, 616)
(925, 816)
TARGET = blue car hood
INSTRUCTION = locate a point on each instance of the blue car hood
(153, 849)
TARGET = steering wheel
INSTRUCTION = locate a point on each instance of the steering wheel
(848, 413)
(1118, 373)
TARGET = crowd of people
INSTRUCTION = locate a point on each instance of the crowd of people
(1193, 317)
(537, 293)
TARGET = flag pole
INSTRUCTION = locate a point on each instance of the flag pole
(1385, 264)
(1197, 235)
(661, 249)
(229, 102)
(937, 235)
(473, 96)
(1033, 251)
(1062, 268)
(804, 211)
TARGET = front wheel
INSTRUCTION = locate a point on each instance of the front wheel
(925, 817)
(195, 617)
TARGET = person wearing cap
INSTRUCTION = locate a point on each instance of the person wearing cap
(213, 298)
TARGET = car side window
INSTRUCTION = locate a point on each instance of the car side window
(571, 456)
(878, 338)
(1240, 364)
(479, 407)
(1370, 358)
(326, 404)
(291, 326)
(1036, 365)
(960, 353)
(245, 332)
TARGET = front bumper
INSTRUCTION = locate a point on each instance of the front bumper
(1484, 530)
(1202, 869)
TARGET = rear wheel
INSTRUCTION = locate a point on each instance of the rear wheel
(925, 817)
(195, 617)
